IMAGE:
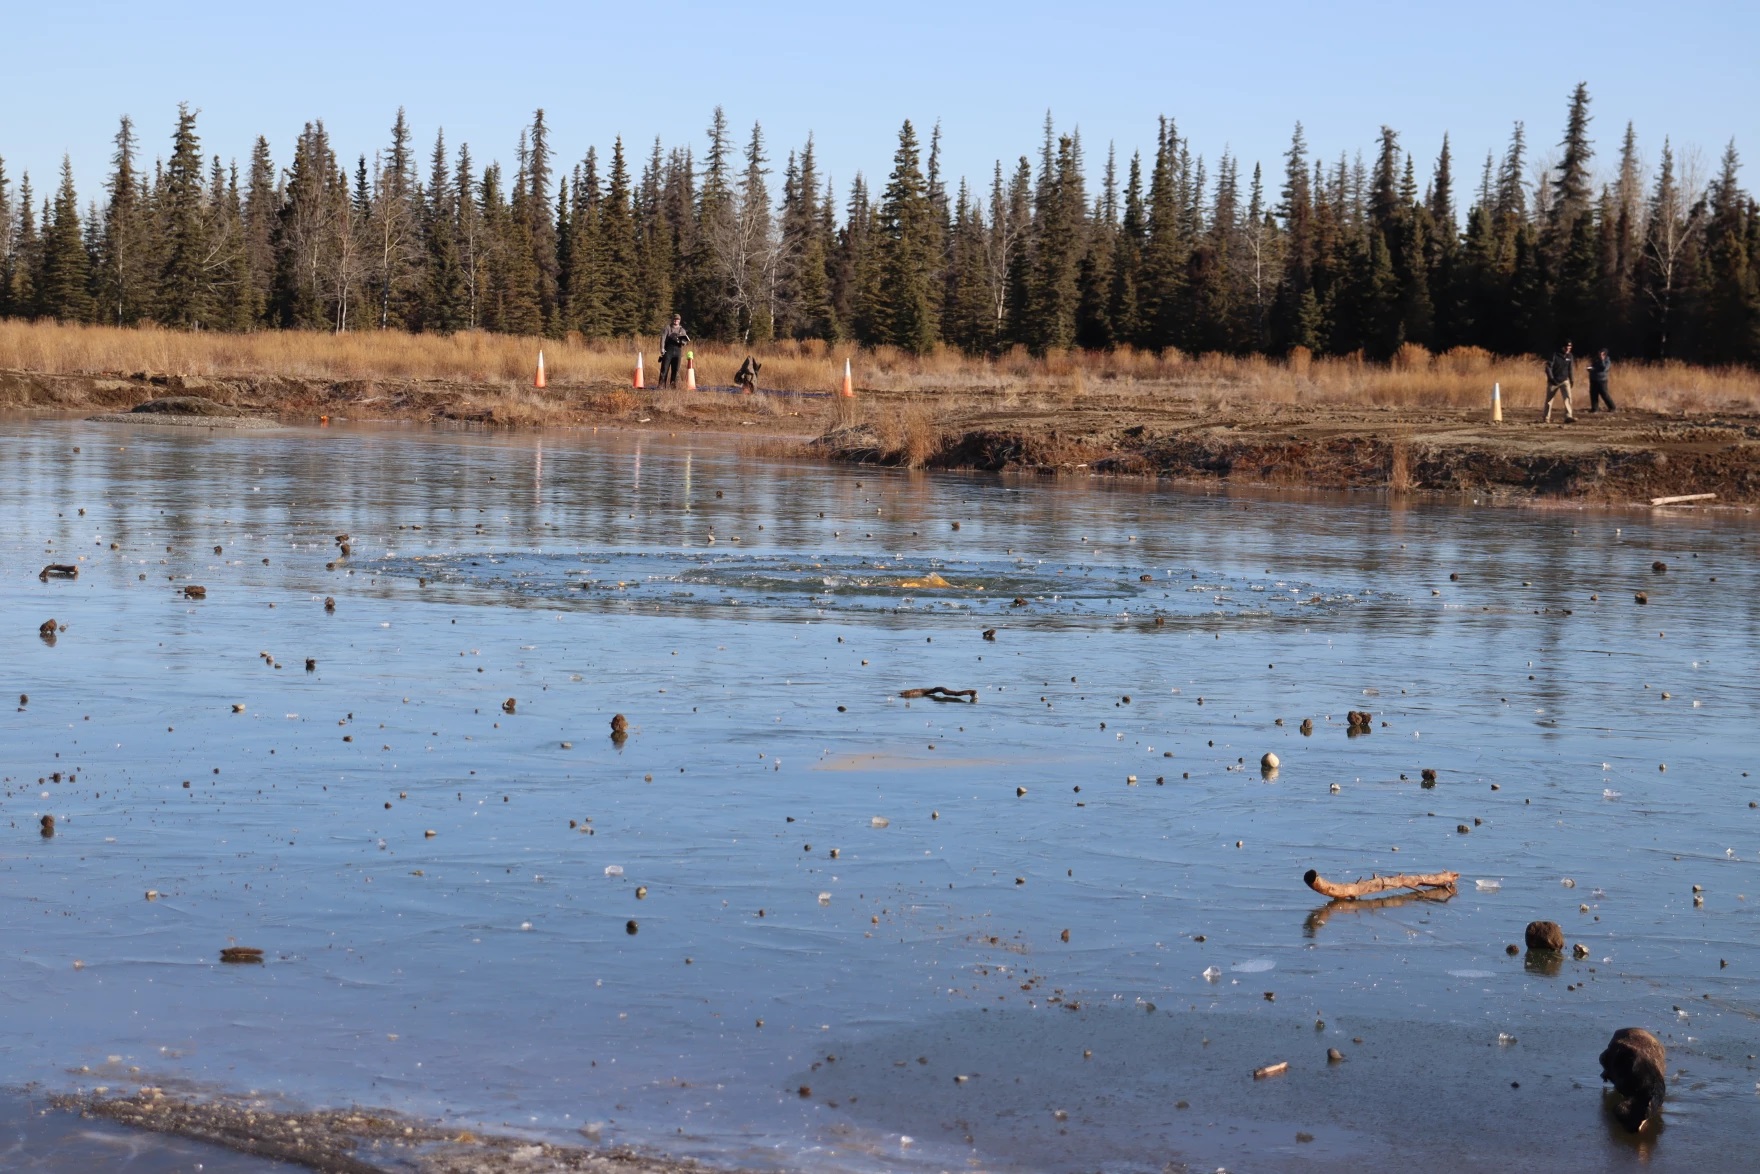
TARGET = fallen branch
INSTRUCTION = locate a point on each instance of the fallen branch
(1380, 884)
(942, 693)
(1681, 498)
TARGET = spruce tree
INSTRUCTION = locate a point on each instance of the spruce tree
(1168, 248)
(262, 205)
(1259, 261)
(586, 292)
(1296, 209)
(617, 250)
(940, 223)
(1126, 316)
(442, 299)
(1209, 288)
(854, 267)
(538, 227)
(394, 222)
(1061, 232)
(185, 294)
(965, 317)
(125, 270)
(513, 268)
(655, 239)
(750, 274)
(1442, 233)
(904, 298)
(1568, 256)
(64, 293)
(229, 264)
(473, 242)
(1626, 239)
(1732, 292)
(7, 230)
(27, 253)
(305, 237)
(1570, 190)
(1013, 256)
(716, 231)
(837, 328)
(1412, 262)
(564, 222)
(678, 220)
(1094, 330)
(803, 284)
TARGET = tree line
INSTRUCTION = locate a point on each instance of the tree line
(1341, 256)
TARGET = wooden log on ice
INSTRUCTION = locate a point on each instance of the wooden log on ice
(1351, 890)
(942, 693)
(1684, 497)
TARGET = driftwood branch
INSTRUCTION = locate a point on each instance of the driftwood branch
(942, 693)
(1684, 497)
(1351, 890)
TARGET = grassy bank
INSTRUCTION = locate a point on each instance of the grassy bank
(1460, 378)
(1420, 423)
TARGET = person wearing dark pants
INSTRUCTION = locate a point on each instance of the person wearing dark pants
(1561, 369)
(1598, 367)
(672, 345)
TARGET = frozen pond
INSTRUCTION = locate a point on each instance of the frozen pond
(796, 921)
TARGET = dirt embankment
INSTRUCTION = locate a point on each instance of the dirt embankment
(1160, 432)
(1624, 456)
(293, 399)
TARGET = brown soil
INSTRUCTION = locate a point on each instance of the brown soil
(1621, 457)
(503, 405)
(352, 1141)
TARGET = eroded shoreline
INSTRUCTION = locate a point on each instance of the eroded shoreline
(1624, 457)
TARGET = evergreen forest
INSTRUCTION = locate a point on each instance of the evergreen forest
(1168, 250)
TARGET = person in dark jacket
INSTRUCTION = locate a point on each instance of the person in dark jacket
(672, 344)
(1598, 367)
(1561, 370)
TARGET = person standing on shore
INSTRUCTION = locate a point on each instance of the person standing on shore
(1598, 368)
(672, 344)
(1561, 369)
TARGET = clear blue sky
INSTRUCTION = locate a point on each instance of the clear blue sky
(1234, 75)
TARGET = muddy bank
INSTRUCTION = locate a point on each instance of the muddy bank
(347, 1141)
(294, 399)
(185, 411)
(1623, 457)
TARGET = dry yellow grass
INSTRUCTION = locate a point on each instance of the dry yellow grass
(1415, 379)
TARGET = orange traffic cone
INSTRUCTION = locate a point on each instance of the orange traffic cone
(848, 392)
(690, 371)
(638, 370)
(539, 380)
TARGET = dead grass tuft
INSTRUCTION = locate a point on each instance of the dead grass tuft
(1399, 465)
